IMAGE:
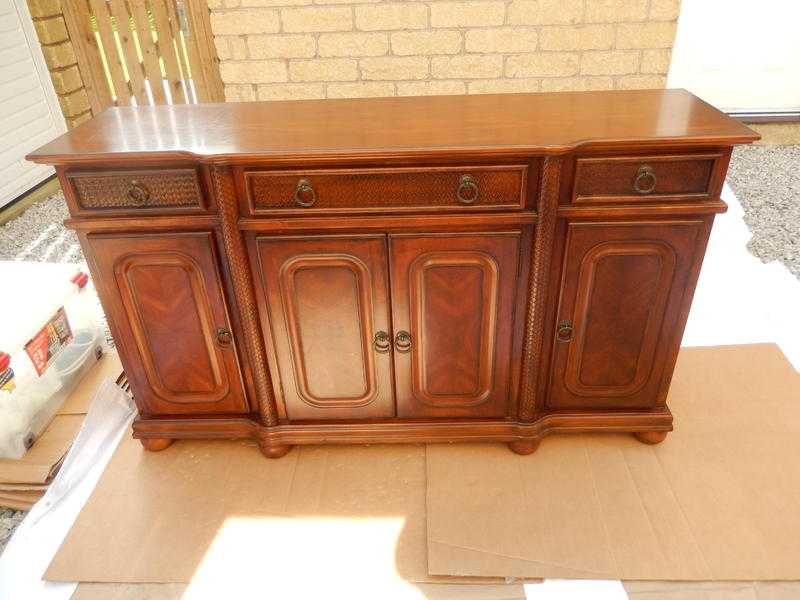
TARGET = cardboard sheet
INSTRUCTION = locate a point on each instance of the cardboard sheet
(205, 510)
(718, 500)
(44, 457)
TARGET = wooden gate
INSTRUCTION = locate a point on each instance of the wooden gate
(144, 51)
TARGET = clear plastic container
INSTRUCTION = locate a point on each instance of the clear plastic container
(49, 337)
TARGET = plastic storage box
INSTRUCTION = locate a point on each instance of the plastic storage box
(49, 337)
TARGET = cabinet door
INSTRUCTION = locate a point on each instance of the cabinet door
(164, 296)
(620, 316)
(327, 300)
(454, 296)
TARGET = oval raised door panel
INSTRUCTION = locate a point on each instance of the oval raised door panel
(326, 299)
(622, 289)
(454, 295)
(164, 296)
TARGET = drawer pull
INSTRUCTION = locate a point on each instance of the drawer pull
(138, 192)
(224, 337)
(467, 191)
(564, 332)
(304, 194)
(645, 181)
(382, 342)
(402, 342)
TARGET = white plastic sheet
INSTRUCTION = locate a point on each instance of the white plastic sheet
(40, 534)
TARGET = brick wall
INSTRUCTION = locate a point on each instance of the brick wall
(59, 54)
(279, 49)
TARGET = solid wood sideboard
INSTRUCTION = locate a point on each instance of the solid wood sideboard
(474, 268)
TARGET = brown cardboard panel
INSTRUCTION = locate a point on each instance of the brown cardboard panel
(78, 401)
(180, 591)
(206, 510)
(716, 501)
(39, 463)
(712, 590)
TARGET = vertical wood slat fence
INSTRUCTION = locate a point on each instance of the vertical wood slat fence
(144, 51)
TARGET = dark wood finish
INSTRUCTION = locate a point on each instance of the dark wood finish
(310, 275)
(156, 444)
(326, 299)
(326, 131)
(137, 190)
(618, 179)
(454, 295)
(164, 296)
(621, 293)
(651, 437)
(370, 190)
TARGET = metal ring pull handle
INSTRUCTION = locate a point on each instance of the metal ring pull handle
(564, 332)
(138, 193)
(467, 192)
(382, 342)
(304, 194)
(645, 181)
(224, 337)
(402, 342)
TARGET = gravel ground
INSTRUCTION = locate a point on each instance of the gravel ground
(766, 179)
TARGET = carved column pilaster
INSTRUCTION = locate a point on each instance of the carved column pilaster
(239, 267)
(538, 284)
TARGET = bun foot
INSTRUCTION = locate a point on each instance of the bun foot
(156, 444)
(271, 451)
(650, 437)
(524, 446)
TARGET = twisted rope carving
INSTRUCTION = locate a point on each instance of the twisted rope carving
(243, 290)
(537, 284)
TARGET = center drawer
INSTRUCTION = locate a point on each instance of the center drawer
(451, 188)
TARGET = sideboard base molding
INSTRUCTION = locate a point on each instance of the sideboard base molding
(649, 427)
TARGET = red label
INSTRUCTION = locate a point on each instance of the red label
(49, 341)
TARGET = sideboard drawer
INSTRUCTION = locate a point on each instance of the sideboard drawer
(604, 180)
(373, 189)
(140, 189)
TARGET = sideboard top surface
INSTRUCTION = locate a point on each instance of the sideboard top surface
(377, 127)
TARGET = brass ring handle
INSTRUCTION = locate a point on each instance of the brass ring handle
(402, 342)
(138, 193)
(224, 337)
(564, 332)
(467, 192)
(304, 194)
(382, 342)
(645, 181)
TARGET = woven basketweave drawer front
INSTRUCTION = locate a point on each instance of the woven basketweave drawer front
(448, 189)
(174, 189)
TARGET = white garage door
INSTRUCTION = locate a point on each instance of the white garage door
(740, 55)
(29, 110)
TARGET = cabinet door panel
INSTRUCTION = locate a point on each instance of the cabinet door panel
(165, 298)
(622, 291)
(327, 298)
(454, 294)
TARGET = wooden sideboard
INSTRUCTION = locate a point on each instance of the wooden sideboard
(473, 268)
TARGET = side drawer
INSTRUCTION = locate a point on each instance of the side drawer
(162, 190)
(467, 188)
(646, 179)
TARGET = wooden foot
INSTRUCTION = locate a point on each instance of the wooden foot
(274, 451)
(524, 446)
(651, 437)
(156, 444)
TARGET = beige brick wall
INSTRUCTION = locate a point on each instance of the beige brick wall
(281, 49)
(59, 54)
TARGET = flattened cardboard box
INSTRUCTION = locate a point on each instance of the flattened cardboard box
(718, 500)
(204, 511)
